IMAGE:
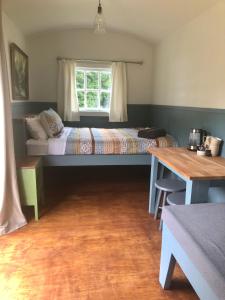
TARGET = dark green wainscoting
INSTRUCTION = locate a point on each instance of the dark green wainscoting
(138, 115)
(22, 108)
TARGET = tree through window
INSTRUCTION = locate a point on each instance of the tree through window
(94, 89)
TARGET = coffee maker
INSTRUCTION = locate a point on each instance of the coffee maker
(196, 138)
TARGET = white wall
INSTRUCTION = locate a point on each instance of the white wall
(190, 64)
(45, 47)
(12, 34)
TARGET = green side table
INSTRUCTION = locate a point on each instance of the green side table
(30, 182)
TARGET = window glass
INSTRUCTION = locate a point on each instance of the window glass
(104, 100)
(106, 81)
(92, 99)
(80, 80)
(80, 96)
(92, 80)
(94, 89)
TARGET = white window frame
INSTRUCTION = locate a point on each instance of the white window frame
(94, 111)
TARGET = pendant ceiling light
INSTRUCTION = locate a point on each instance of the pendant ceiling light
(99, 25)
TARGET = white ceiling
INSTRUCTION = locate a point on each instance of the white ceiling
(149, 19)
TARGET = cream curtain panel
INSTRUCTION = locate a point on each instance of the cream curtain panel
(118, 107)
(68, 106)
(11, 216)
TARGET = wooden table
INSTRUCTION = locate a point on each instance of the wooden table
(196, 171)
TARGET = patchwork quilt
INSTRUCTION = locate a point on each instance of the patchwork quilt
(110, 141)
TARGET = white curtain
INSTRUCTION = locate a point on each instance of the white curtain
(67, 102)
(118, 107)
(11, 216)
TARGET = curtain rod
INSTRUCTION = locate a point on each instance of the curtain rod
(102, 61)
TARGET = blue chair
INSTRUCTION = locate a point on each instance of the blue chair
(177, 198)
(166, 186)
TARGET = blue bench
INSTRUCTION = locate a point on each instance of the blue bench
(194, 236)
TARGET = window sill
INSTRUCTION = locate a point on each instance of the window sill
(94, 113)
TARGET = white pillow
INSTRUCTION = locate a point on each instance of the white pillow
(35, 128)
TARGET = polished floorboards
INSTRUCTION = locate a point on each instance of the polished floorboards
(94, 241)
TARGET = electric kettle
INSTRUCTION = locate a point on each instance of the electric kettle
(196, 138)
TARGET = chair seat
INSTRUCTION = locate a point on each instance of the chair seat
(176, 198)
(170, 185)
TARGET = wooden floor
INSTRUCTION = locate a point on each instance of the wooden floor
(95, 240)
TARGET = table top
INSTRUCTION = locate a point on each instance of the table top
(190, 165)
(29, 162)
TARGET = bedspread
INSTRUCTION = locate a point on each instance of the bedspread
(87, 141)
(110, 141)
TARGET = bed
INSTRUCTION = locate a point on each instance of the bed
(96, 146)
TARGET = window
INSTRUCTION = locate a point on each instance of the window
(94, 89)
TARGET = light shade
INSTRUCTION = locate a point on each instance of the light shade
(99, 24)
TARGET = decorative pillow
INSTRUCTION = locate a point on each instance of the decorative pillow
(35, 129)
(51, 122)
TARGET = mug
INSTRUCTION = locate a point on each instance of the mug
(212, 143)
(207, 141)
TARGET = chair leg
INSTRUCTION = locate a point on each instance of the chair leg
(161, 171)
(163, 204)
(157, 204)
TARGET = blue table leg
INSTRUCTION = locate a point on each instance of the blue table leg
(153, 178)
(197, 191)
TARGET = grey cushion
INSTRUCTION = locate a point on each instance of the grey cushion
(170, 185)
(176, 198)
(200, 230)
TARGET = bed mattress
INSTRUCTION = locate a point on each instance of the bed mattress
(75, 141)
(37, 147)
